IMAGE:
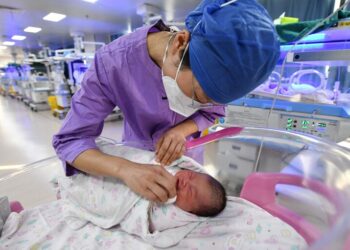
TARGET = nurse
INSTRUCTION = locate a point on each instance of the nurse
(168, 86)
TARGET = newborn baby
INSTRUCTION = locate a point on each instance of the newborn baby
(199, 193)
(107, 202)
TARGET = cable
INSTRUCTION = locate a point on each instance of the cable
(282, 73)
(292, 48)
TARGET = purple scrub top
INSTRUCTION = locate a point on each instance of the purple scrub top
(122, 74)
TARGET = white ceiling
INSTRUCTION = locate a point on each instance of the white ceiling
(103, 18)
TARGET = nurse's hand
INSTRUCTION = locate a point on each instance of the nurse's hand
(152, 182)
(171, 146)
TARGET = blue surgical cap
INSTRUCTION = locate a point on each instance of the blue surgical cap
(233, 49)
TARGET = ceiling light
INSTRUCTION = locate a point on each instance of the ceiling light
(18, 38)
(31, 29)
(54, 17)
(2, 47)
(8, 43)
(90, 1)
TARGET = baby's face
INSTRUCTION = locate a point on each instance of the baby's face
(193, 190)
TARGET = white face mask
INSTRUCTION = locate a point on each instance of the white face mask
(178, 101)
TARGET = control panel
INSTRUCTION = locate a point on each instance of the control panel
(317, 127)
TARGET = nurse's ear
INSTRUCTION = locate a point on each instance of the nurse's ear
(182, 38)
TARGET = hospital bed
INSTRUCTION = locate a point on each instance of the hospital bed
(303, 180)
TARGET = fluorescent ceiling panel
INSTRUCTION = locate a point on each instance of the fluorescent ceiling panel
(18, 38)
(8, 43)
(54, 17)
(31, 29)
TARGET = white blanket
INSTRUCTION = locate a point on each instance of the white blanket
(107, 202)
(242, 225)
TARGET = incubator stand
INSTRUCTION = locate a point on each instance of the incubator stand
(256, 164)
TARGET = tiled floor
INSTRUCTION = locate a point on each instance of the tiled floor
(25, 137)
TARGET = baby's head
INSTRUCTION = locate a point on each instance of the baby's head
(199, 193)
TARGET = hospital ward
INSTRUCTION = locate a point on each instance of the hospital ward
(175, 124)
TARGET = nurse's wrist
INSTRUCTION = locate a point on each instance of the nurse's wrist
(120, 168)
(187, 128)
(179, 129)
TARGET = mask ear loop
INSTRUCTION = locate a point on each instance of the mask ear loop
(166, 50)
(182, 59)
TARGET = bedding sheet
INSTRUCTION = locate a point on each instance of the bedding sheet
(242, 225)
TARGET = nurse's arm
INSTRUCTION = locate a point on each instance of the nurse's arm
(171, 145)
(75, 142)
(150, 181)
(84, 122)
(206, 117)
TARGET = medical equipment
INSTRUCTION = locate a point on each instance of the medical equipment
(34, 84)
(68, 69)
(310, 167)
(63, 96)
(82, 49)
(4, 83)
(312, 96)
(9, 80)
(62, 75)
(24, 71)
(62, 92)
(295, 88)
(305, 88)
(330, 122)
(233, 159)
(41, 87)
(14, 76)
(79, 70)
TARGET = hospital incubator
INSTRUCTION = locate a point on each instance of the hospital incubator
(62, 90)
(23, 82)
(302, 180)
(67, 73)
(4, 83)
(34, 84)
(40, 89)
(9, 81)
(308, 91)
